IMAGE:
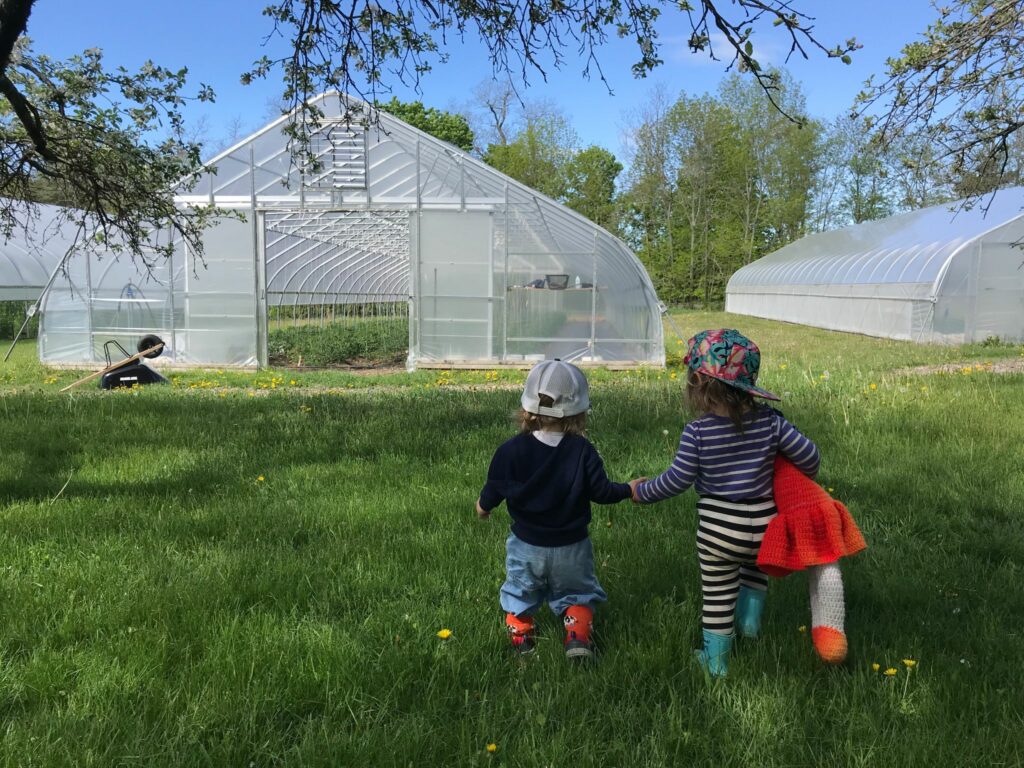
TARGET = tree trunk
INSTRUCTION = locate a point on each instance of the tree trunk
(13, 22)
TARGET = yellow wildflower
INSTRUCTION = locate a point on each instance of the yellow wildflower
(875, 667)
(783, 367)
(909, 663)
(260, 479)
(444, 634)
(890, 672)
(802, 628)
(492, 748)
(872, 386)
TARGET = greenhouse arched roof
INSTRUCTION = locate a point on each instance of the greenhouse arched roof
(33, 251)
(912, 247)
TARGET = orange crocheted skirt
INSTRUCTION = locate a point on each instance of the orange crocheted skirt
(808, 535)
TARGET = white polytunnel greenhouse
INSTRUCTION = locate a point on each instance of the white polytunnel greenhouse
(395, 227)
(945, 274)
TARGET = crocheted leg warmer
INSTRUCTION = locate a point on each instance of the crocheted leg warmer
(828, 612)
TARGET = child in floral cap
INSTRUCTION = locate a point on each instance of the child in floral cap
(728, 454)
(548, 475)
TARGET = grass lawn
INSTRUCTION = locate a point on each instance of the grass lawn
(249, 569)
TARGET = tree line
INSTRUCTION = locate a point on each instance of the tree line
(713, 181)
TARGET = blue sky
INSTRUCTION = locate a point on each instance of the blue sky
(217, 39)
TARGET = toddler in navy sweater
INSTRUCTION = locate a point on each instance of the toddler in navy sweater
(548, 475)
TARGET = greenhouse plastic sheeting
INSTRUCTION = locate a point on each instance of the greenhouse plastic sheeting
(945, 274)
(492, 272)
(203, 309)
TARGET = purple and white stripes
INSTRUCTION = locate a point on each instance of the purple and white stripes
(720, 460)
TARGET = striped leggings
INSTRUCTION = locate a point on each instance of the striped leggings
(729, 537)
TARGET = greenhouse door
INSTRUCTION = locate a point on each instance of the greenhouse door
(455, 286)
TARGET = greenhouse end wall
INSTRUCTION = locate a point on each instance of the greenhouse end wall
(489, 271)
(203, 308)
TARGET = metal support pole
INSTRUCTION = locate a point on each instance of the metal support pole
(593, 304)
(170, 297)
(88, 293)
(462, 185)
(416, 293)
(259, 268)
(418, 200)
(366, 164)
(504, 300)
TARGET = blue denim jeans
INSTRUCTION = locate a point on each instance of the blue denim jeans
(560, 576)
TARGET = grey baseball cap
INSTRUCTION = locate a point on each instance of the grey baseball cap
(563, 382)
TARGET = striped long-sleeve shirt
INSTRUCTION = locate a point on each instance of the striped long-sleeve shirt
(720, 460)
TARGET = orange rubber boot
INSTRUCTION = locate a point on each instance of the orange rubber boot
(578, 621)
(520, 632)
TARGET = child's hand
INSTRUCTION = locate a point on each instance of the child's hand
(481, 512)
(632, 487)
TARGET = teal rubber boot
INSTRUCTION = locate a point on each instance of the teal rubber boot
(749, 607)
(714, 657)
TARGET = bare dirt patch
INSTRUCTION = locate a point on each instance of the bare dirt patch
(1013, 365)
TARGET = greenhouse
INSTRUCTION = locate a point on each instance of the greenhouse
(947, 274)
(391, 233)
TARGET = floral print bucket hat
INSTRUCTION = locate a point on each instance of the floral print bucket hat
(727, 355)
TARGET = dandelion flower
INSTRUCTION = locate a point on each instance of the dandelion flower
(872, 386)
(802, 628)
(783, 367)
(890, 672)
(831, 489)
(260, 479)
(492, 748)
(444, 634)
(909, 663)
(875, 667)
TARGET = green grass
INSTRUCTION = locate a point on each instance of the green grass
(375, 340)
(163, 606)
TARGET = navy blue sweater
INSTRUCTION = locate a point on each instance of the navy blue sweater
(549, 488)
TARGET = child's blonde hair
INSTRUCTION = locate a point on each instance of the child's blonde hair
(534, 422)
(705, 393)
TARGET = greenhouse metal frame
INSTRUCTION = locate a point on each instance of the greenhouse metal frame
(491, 271)
(947, 274)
